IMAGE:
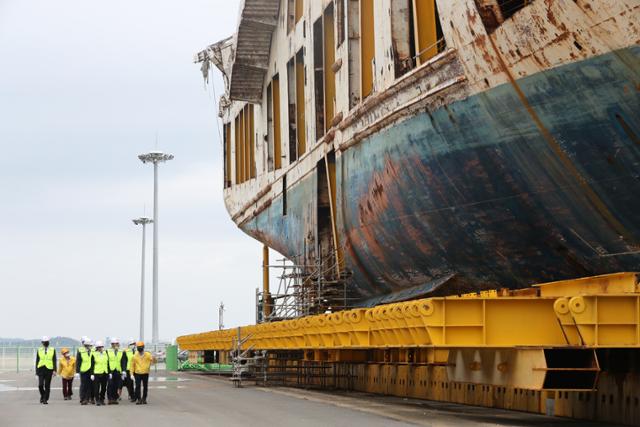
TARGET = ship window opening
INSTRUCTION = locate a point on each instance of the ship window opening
(329, 60)
(324, 230)
(247, 144)
(318, 63)
(510, 7)
(270, 153)
(403, 42)
(237, 148)
(291, 15)
(299, 10)
(251, 139)
(495, 12)
(291, 102)
(426, 33)
(277, 129)
(301, 128)
(242, 147)
(341, 11)
(416, 33)
(353, 28)
(284, 195)
(367, 47)
(247, 139)
(227, 155)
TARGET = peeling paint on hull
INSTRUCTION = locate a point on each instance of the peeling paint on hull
(475, 190)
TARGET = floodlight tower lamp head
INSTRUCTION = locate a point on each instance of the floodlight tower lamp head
(155, 157)
(142, 221)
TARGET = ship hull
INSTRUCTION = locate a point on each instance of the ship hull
(526, 182)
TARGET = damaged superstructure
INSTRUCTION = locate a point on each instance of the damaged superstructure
(435, 147)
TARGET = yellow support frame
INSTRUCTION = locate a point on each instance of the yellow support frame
(599, 312)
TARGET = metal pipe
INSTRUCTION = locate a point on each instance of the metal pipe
(142, 221)
(144, 244)
(155, 254)
(266, 294)
(155, 157)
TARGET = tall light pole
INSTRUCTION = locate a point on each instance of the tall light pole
(143, 222)
(155, 157)
(221, 316)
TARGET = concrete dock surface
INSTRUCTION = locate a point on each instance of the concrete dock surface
(205, 400)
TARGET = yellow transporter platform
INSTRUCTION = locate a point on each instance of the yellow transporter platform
(548, 337)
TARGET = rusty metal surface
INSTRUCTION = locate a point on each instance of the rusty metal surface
(473, 192)
(475, 189)
(509, 158)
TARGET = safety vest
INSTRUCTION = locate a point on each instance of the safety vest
(45, 358)
(85, 359)
(129, 358)
(100, 363)
(115, 360)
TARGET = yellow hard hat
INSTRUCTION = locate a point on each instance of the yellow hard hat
(65, 350)
(140, 344)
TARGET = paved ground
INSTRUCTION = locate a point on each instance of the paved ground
(197, 400)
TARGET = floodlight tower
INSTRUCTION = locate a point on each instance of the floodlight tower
(143, 222)
(155, 157)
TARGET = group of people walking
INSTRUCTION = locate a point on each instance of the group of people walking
(103, 373)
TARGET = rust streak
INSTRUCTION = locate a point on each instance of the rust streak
(562, 156)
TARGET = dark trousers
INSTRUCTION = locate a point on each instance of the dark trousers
(67, 387)
(91, 390)
(86, 387)
(128, 383)
(142, 380)
(114, 385)
(100, 386)
(44, 383)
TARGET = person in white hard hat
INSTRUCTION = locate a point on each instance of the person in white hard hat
(117, 367)
(45, 368)
(127, 378)
(99, 373)
(83, 368)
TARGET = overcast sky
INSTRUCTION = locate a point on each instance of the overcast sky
(84, 87)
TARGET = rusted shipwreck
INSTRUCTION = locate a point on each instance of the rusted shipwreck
(421, 146)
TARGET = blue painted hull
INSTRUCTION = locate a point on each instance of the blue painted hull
(476, 194)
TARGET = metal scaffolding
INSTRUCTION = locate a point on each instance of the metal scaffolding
(304, 290)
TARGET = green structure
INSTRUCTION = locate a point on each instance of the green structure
(172, 357)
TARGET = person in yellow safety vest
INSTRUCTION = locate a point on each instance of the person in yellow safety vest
(45, 369)
(117, 365)
(67, 370)
(127, 378)
(140, 367)
(83, 368)
(99, 373)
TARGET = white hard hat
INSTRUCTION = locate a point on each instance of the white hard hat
(99, 343)
(45, 339)
(84, 338)
(115, 341)
(87, 341)
(132, 341)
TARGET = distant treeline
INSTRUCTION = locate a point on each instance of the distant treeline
(55, 342)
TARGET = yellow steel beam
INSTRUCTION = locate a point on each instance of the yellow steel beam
(581, 313)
